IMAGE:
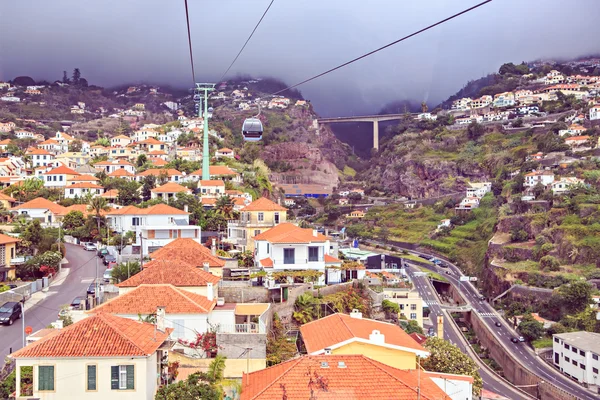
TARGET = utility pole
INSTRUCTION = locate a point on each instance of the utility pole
(203, 89)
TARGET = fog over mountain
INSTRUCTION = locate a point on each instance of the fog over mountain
(115, 42)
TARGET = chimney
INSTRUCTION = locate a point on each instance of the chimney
(213, 248)
(356, 314)
(315, 233)
(326, 232)
(327, 351)
(185, 208)
(209, 291)
(206, 267)
(160, 318)
(377, 337)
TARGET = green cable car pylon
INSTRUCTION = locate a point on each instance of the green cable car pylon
(201, 91)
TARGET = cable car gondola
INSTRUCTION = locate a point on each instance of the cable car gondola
(252, 129)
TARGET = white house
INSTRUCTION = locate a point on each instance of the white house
(533, 178)
(289, 247)
(40, 157)
(595, 112)
(577, 355)
(478, 189)
(445, 223)
(211, 188)
(103, 356)
(58, 176)
(185, 312)
(505, 99)
(224, 153)
(481, 102)
(573, 129)
(113, 165)
(82, 189)
(172, 174)
(577, 141)
(426, 117)
(462, 104)
(169, 190)
(120, 141)
(46, 211)
(221, 172)
(468, 203)
(564, 184)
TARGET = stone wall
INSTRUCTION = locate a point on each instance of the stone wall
(248, 294)
(234, 368)
(234, 345)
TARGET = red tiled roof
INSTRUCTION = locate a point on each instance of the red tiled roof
(87, 185)
(331, 259)
(145, 298)
(171, 187)
(359, 377)
(289, 233)
(102, 335)
(6, 197)
(159, 162)
(150, 141)
(189, 251)
(577, 138)
(84, 178)
(120, 172)
(417, 337)
(266, 262)
(212, 182)
(337, 328)
(37, 152)
(5, 239)
(61, 170)
(41, 204)
(111, 194)
(158, 209)
(178, 273)
(264, 204)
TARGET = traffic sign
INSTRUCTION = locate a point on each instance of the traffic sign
(28, 330)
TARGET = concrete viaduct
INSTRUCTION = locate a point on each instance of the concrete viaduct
(375, 119)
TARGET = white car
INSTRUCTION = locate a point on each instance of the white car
(89, 246)
(107, 275)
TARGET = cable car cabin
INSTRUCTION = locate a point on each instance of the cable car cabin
(197, 97)
(252, 129)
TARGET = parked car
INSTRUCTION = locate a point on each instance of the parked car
(521, 339)
(77, 302)
(111, 265)
(10, 312)
(424, 256)
(498, 324)
(89, 246)
(107, 276)
(102, 252)
(514, 340)
(109, 259)
(92, 288)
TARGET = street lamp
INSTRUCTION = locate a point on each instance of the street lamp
(22, 303)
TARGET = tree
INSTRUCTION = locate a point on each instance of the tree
(128, 193)
(475, 130)
(33, 233)
(517, 123)
(76, 76)
(576, 296)
(412, 326)
(141, 160)
(75, 145)
(518, 234)
(148, 183)
(224, 207)
(103, 142)
(125, 271)
(279, 348)
(549, 263)
(305, 307)
(65, 78)
(447, 358)
(530, 328)
(196, 386)
(355, 197)
(73, 220)
(384, 234)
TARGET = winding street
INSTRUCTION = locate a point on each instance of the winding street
(72, 281)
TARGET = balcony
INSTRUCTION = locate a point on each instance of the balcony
(250, 224)
(242, 328)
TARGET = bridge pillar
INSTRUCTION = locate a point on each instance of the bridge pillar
(376, 134)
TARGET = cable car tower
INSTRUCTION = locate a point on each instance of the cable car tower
(201, 92)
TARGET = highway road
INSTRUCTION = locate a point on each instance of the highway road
(490, 381)
(505, 332)
(72, 281)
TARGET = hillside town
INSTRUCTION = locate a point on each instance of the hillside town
(150, 252)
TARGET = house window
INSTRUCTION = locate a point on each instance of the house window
(71, 191)
(267, 247)
(135, 221)
(289, 256)
(413, 315)
(60, 178)
(276, 216)
(582, 366)
(91, 378)
(595, 370)
(574, 362)
(261, 217)
(574, 349)
(567, 346)
(413, 307)
(595, 357)
(122, 377)
(46, 377)
(313, 253)
(582, 353)
(567, 359)
(256, 232)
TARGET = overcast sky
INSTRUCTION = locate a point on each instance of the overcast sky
(125, 41)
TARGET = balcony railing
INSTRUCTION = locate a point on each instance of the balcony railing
(243, 224)
(242, 328)
(293, 261)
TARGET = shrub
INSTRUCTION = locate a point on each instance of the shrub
(549, 263)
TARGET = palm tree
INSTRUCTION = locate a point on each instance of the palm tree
(224, 207)
(97, 205)
(215, 372)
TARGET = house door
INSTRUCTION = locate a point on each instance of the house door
(276, 218)
(289, 256)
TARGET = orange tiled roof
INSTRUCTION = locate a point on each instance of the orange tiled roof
(225, 150)
(159, 162)
(40, 203)
(208, 201)
(5, 239)
(151, 141)
(359, 378)
(216, 170)
(114, 162)
(84, 178)
(158, 209)
(331, 259)
(171, 187)
(48, 141)
(87, 185)
(178, 273)
(264, 204)
(157, 172)
(145, 298)
(338, 328)
(290, 233)
(102, 335)
(212, 182)
(41, 152)
(83, 208)
(189, 251)
(111, 194)
(120, 172)
(577, 138)
(157, 153)
(62, 170)
(6, 197)
(266, 262)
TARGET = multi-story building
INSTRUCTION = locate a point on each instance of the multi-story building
(40, 157)
(58, 176)
(410, 302)
(478, 189)
(257, 217)
(505, 99)
(533, 178)
(595, 112)
(483, 101)
(8, 249)
(577, 355)
(113, 165)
